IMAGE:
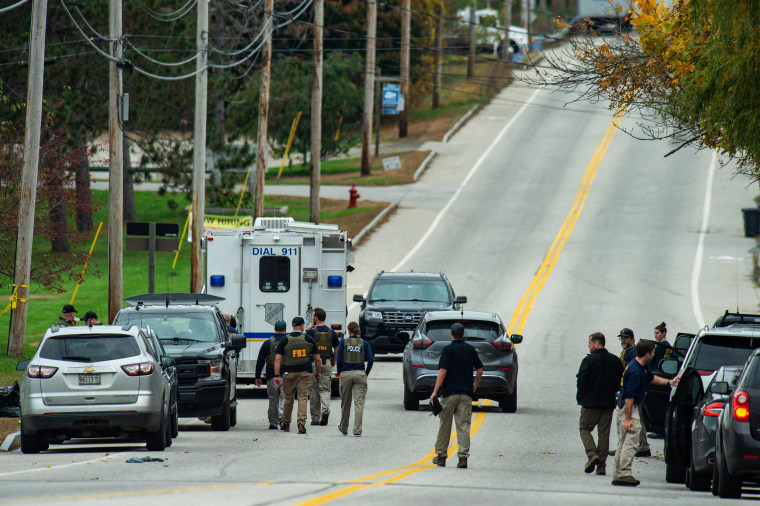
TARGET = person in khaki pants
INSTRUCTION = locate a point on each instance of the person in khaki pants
(353, 352)
(456, 385)
(292, 369)
(326, 341)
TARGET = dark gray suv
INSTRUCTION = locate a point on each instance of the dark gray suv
(485, 332)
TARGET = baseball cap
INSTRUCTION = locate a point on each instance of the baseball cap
(298, 321)
(280, 325)
(626, 333)
(68, 308)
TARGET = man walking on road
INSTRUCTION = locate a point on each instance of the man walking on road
(268, 354)
(598, 381)
(636, 378)
(456, 385)
(628, 342)
(353, 351)
(327, 346)
(292, 369)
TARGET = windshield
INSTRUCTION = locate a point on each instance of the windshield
(716, 351)
(421, 290)
(192, 326)
(92, 348)
(473, 330)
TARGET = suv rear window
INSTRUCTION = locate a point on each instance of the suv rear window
(716, 351)
(192, 325)
(421, 290)
(473, 330)
(90, 348)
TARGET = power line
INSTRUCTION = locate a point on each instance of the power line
(11, 7)
(168, 17)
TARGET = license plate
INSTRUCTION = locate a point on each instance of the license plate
(89, 379)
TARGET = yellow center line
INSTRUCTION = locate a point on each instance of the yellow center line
(112, 495)
(518, 321)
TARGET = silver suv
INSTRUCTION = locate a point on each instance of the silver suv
(100, 381)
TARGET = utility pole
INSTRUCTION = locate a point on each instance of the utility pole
(542, 10)
(437, 56)
(471, 58)
(403, 123)
(316, 113)
(115, 167)
(369, 85)
(261, 146)
(28, 195)
(199, 147)
(528, 27)
(507, 24)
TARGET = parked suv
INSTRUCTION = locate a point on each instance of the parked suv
(192, 330)
(485, 332)
(737, 438)
(711, 349)
(395, 303)
(99, 381)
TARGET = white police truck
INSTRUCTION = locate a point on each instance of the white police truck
(276, 270)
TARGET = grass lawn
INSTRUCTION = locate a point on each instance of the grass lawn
(44, 308)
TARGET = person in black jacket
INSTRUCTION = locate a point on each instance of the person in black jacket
(598, 381)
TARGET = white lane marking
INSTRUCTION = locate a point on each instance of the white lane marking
(459, 189)
(697, 269)
(464, 183)
(62, 466)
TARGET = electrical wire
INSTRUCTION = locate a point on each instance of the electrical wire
(11, 7)
(168, 16)
(157, 62)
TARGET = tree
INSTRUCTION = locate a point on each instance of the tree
(689, 70)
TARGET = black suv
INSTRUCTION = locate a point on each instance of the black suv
(192, 330)
(395, 303)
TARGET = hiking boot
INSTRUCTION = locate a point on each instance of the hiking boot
(462, 463)
(600, 470)
(285, 427)
(625, 481)
(357, 435)
(315, 422)
(323, 419)
(440, 460)
(345, 433)
(272, 427)
(301, 428)
(644, 453)
(591, 464)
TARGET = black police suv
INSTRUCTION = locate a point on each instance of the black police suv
(485, 332)
(193, 332)
(395, 303)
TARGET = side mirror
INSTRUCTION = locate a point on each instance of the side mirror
(237, 342)
(167, 361)
(669, 366)
(358, 298)
(719, 387)
(460, 300)
(403, 337)
(21, 366)
(516, 338)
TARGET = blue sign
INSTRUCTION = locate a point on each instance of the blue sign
(391, 94)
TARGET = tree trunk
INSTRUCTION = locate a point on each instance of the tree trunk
(57, 216)
(84, 195)
(128, 199)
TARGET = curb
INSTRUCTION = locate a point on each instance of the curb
(458, 124)
(12, 442)
(372, 224)
(424, 164)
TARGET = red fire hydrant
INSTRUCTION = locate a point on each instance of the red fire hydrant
(353, 196)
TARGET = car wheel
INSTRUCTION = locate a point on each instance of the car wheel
(696, 481)
(715, 477)
(411, 402)
(675, 473)
(233, 416)
(222, 422)
(168, 426)
(728, 486)
(508, 403)
(175, 424)
(32, 444)
(334, 389)
(156, 440)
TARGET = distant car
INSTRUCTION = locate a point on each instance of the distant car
(706, 413)
(737, 437)
(485, 332)
(396, 301)
(100, 381)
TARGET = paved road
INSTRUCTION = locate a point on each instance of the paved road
(535, 203)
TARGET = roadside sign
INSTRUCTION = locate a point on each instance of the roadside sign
(391, 163)
(391, 94)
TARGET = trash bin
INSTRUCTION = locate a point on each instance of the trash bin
(751, 221)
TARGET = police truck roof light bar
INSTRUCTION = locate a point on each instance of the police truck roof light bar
(740, 406)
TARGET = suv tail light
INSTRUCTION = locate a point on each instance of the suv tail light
(713, 409)
(421, 342)
(36, 371)
(141, 369)
(502, 343)
(740, 406)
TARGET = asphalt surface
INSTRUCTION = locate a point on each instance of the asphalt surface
(541, 213)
